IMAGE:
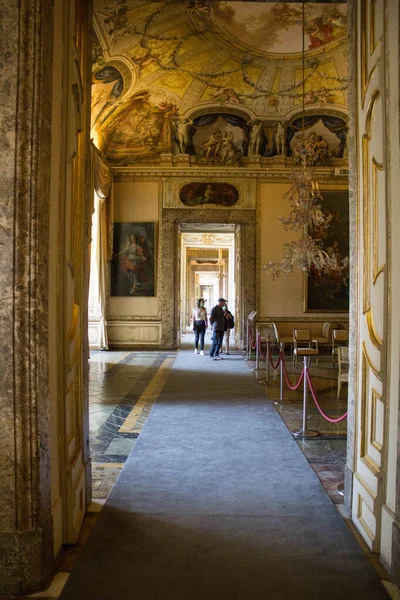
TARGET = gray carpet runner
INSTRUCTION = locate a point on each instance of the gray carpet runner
(217, 502)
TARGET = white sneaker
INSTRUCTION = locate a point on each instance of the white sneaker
(201, 353)
(218, 358)
(195, 351)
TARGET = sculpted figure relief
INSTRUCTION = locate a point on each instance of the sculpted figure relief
(314, 149)
(255, 138)
(182, 134)
(219, 148)
(280, 139)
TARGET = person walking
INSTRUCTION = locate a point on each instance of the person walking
(217, 322)
(229, 324)
(200, 324)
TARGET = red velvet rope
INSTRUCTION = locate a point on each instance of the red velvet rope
(338, 420)
(270, 357)
(253, 347)
(290, 386)
(260, 349)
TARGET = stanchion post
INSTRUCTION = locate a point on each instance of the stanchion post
(305, 432)
(257, 352)
(267, 359)
(281, 372)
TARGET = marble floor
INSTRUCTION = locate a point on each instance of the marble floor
(326, 453)
(123, 387)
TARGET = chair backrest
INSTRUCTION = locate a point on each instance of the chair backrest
(343, 354)
(326, 327)
(340, 335)
(276, 330)
(302, 335)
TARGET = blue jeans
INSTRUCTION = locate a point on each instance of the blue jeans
(199, 331)
(216, 342)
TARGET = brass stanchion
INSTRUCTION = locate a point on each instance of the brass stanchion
(305, 432)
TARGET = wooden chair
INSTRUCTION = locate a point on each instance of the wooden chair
(340, 337)
(343, 374)
(303, 337)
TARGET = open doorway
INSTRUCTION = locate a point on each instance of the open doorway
(208, 269)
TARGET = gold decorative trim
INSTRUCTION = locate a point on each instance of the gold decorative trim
(74, 322)
(376, 397)
(376, 166)
(362, 521)
(76, 353)
(371, 365)
(365, 76)
(366, 138)
(365, 485)
(373, 42)
(371, 464)
(375, 338)
(365, 426)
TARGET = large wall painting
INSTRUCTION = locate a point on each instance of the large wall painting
(132, 265)
(138, 129)
(199, 194)
(329, 292)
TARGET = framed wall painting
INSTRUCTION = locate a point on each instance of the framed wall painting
(132, 264)
(329, 292)
(199, 194)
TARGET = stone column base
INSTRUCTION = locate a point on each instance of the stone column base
(26, 560)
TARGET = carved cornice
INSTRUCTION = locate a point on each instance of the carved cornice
(273, 174)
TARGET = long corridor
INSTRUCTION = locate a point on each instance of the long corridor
(217, 502)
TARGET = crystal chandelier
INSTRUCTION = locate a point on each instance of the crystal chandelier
(306, 215)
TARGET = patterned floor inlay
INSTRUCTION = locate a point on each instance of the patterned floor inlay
(327, 452)
(123, 387)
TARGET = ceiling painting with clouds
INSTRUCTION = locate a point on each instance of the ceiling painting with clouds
(158, 67)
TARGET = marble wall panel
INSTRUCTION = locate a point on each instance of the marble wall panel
(126, 334)
(25, 96)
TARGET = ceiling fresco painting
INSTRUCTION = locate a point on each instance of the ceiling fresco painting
(158, 66)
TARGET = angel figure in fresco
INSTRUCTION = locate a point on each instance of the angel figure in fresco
(131, 259)
(182, 134)
(326, 28)
(199, 8)
(226, 96)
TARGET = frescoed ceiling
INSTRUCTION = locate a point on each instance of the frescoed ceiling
(187, 57)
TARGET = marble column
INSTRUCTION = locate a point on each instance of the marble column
(26, 536)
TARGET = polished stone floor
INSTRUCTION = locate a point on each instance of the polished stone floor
(125, 385)
(327, 452)
(123, 389)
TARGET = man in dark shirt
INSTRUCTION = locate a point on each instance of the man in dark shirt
(217, 322)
